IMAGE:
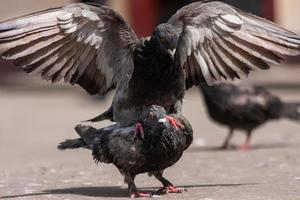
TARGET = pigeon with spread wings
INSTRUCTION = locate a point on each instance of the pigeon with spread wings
(94, 47)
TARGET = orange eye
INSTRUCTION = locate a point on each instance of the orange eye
(151, 115)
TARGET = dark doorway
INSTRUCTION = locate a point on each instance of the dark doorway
(258, 7)
(101, 2)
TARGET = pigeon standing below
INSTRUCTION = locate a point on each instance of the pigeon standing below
(159, 147)
(245, 107)
(94, 47)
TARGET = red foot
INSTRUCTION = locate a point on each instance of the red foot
(139, 130)
(245, 147)
(170, 189)
(141, 194)
(174, 122)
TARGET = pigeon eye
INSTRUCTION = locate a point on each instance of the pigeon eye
(163, 40)
(151, 115)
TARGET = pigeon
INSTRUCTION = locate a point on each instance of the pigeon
(94, 47)
(245, 107)
(160, 146)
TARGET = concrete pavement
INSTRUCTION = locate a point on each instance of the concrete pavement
(34, 121)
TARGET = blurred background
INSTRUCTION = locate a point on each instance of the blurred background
(35, 115)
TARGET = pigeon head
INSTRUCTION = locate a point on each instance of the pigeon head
(154, 113)
(166, 37)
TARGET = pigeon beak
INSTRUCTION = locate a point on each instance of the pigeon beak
(162, 120)
(172, 52)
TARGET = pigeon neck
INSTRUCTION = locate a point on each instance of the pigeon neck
(162, 140)
(150, 61)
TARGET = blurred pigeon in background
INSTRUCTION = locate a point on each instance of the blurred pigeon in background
(157, 148)
(245, 107)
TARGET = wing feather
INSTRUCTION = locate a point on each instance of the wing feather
(227, 42)
(82, 44)
(211, 65)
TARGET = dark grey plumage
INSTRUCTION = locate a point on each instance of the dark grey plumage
(160, 148)
(245, 107)
(94, 47)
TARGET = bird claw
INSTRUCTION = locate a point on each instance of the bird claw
(174, 122)
(139, 130)
(141, 195)
(170, 189)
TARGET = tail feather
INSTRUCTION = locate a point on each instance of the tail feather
(72, 144)
(291, 111)
(99, 118)
(107, 115)
(87, 135)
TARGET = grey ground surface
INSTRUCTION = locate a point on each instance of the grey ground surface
(34, 119)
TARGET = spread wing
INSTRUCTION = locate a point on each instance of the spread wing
(83, 44)
(218, 41)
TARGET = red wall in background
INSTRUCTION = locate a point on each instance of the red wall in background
(268, 9)
(145, 16)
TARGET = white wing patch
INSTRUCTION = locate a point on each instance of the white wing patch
(232, 20)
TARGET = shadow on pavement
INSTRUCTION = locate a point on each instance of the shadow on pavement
(208, 185)
(103, 191)
(110, 191)
(253, 147)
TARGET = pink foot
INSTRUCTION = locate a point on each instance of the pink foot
(174, 122)
(170, 189)
(139, 130)
(245, 147)
(140, 195)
